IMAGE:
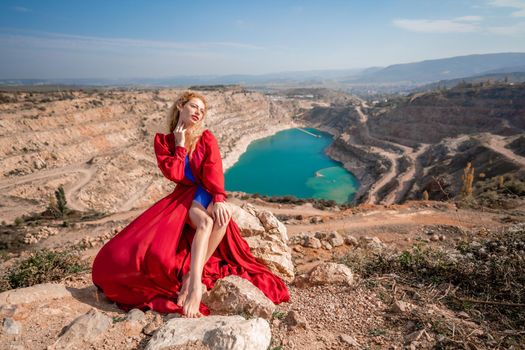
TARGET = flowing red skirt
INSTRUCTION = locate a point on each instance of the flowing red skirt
(143, 265)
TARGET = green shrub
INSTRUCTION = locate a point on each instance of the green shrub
(43, 266)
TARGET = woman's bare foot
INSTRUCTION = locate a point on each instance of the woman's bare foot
(193, 301)
(183, 293)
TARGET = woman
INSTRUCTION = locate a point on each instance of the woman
(162, 258)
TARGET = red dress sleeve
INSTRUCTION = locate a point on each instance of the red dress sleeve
(212, 173)
(170, 163)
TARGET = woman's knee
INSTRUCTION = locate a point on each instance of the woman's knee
(206, 223)
(200, 219)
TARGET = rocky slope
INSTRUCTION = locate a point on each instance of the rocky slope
(88, 141)
(422, 274)
(401, 147)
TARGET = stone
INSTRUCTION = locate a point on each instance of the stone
(326, 245)
(86, 328)
(10, 326)
(249, 224)
(150, 328)
(414, 336)
(335, 239)
(294, 320)
(331, 273)
(400, 307)
(373, 243)
(349, 340)
(135, 315)
(274, 253)
(272, 224)
(298, 239)
(39, 292)
(215, 332)
(155, 324)
(236, 295)
(312, 242)
(316, 219)
(351, 240)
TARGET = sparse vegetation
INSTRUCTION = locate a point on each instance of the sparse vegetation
(488, 275)
(42, 266)
(58, 204)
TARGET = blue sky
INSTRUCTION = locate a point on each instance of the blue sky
(133, 38)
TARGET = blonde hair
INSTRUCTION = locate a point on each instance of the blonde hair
(193, 133)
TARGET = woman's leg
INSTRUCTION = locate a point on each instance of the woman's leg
(203, 223)
(217, 234)
(215, 238)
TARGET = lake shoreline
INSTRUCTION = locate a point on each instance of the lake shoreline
(338, 184)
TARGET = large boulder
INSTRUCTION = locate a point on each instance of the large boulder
(248, 223)
(271, 251)
(236, 295)
(267, 238)
(213, 332)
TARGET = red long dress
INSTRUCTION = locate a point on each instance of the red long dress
(143, 265)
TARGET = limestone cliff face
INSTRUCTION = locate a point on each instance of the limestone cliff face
(430, 117)
(388, 145)
(99, 144)
(443, 165)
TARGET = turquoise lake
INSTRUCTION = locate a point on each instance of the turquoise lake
(287, 163)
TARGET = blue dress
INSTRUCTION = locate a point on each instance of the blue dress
(201, 196)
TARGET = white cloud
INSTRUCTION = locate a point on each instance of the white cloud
(465, 24)
(57, 41)
(519, 5)
(469, 19)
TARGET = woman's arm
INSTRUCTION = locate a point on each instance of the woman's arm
(213, 175)
(171, 165)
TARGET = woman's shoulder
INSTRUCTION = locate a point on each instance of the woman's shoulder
(208, 136)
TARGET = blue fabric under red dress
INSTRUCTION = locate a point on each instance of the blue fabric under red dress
(143, 265)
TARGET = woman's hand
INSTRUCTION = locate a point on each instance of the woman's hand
(221, 213)
(180, 134)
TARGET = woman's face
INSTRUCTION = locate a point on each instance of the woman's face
(192, 112)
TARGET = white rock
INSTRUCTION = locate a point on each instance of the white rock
(335, 239)
(235, 295)
(312, 242)
(215, 332)
(349, 340)
(39, 292)
(351, 240)
(84, 329)
(326, 245)
(331, 273)
(272, 224)
(274, 253)
(248, 224)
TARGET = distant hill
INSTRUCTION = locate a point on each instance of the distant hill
(445, 69)
(516, 77)
(394, 78)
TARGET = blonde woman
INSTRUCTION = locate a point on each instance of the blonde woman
(187, 239)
